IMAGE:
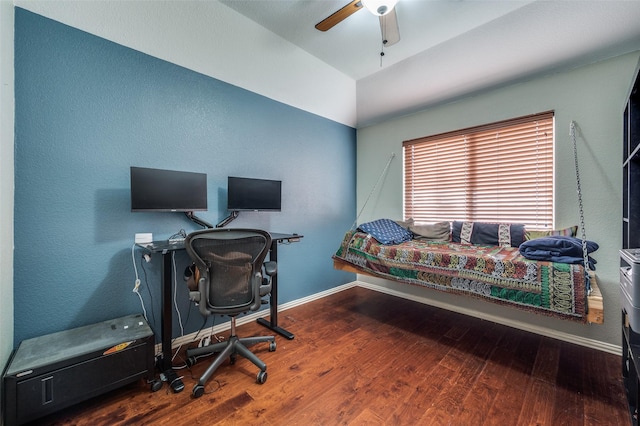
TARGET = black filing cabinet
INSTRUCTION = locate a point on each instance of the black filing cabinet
(48, 373)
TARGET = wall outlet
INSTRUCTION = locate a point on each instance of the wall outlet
(144, 238)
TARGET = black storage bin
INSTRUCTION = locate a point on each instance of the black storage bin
(51, 372)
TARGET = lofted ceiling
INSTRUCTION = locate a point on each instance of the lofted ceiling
(353, 46)
(450, 48)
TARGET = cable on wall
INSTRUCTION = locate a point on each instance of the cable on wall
(136, 286)
(384, 172)
(175, 292)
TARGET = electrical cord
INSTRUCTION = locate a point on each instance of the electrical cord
(143, 260)
(178, 236)
(204, 323)
(204, 341)
(175, 292)
(136, 286)
(175, 301)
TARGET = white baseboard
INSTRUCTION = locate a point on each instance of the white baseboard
(192, 337)
(543, 331)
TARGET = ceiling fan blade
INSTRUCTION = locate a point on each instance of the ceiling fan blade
(339, 16)
(389, 28)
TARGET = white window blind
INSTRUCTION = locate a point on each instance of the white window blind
(499, 172)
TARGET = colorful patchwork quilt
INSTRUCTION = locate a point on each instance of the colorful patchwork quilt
(498, 274)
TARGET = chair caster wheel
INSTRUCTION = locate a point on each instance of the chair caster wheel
(198, 391)
(262, 377)
(156, 385)
(191, 361)
(232, 359)
(272, 347)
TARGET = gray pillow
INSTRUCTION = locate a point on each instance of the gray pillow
(440, 231)
(405, 223)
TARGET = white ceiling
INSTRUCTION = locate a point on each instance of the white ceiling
(450, 48)
(353, 46)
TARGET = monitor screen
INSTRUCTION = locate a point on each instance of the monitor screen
(167, 190)
(253, 194)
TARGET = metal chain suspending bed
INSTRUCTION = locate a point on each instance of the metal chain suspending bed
(585, 254)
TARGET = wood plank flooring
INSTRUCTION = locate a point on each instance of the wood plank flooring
(360, 357)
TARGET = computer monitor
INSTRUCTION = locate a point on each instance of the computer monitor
(160, 190)
(250, 194)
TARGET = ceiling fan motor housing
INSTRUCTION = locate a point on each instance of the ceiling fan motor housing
(379, 7)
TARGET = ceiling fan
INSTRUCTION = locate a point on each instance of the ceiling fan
(384, 9)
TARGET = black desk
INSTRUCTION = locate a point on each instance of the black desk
(166, 248)
(273, 297)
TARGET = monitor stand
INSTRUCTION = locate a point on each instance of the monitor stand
(224, 222)
(192, 217)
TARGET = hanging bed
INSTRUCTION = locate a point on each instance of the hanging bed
(478, 260)
(549, 273)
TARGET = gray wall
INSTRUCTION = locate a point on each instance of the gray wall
(593, 97)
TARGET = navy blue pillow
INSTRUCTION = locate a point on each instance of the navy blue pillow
(494, 234)
(386, 231)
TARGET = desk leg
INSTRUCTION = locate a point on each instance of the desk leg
(167, 325)
(272, 324)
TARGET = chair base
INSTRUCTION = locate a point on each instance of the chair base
(230, 349)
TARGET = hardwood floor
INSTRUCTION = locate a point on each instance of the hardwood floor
(361, 357)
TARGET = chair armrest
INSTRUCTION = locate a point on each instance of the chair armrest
(270, 268)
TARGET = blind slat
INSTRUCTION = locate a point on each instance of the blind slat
(497, 172)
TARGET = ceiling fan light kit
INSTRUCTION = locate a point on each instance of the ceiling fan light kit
(379, 7)
(383, 9)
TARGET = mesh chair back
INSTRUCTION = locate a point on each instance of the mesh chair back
(230, 262)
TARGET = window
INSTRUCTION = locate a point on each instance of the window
(499, 172)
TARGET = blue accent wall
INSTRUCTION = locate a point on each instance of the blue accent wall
(86, 110)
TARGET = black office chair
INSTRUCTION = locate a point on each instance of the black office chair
(233, 279)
